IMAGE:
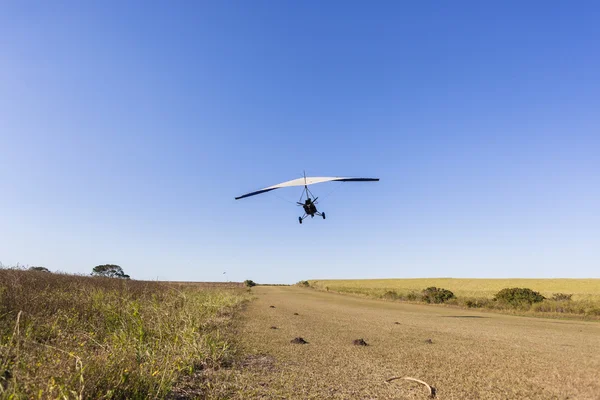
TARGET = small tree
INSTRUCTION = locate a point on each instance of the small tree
(303, 283)
(41, 269)
(109, 271)
(249, 283)
(436, 295)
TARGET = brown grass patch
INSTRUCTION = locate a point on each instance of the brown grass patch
(64, 336)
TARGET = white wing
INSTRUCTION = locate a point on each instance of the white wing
(307, 181)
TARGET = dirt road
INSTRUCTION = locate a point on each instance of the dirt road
(463, 354)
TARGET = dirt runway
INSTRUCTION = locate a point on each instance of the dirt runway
(463, 354)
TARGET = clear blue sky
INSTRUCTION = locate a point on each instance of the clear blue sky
(126, 131)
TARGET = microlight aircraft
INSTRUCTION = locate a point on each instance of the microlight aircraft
(308, 204)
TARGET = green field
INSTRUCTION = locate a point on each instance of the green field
(582, 289)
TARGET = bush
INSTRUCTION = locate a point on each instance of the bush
(412, 296)
(561, 297)
(517, 297)
(436, 295)
(390, 295)
(472, 303)
(594, 311)
(249, 283)
(303, 284)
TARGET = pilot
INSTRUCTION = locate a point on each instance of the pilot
(306, 206)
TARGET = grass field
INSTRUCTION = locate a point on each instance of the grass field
(582, 289)
(479, 293)
(464, 354)
(65, 336)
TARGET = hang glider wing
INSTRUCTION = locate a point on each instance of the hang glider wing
(307, 181)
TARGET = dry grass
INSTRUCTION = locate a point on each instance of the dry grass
(582, 289)
(65, 336)
(472, 355)
(478, 293)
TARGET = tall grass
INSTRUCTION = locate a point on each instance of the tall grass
(65, 336)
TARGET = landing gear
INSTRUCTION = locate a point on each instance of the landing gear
(300, 219)
(323, 215)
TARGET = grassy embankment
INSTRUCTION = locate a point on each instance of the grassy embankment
(65, 336)
(479, 293)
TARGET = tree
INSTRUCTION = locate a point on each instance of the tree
(109, 271)
(249, 283)
(41, 269)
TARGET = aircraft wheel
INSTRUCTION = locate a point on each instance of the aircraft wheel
(300, 219)
(323, 215)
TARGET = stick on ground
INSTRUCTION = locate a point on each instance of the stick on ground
(408, 378)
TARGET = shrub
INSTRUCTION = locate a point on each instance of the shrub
(471, 303)
(412, 296)
(517, 297)
(249, 283)
(303, 284)
(595, 311)
(390, 295)
(561, 297)
(436, 295)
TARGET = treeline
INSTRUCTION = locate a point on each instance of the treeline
(104, 270)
